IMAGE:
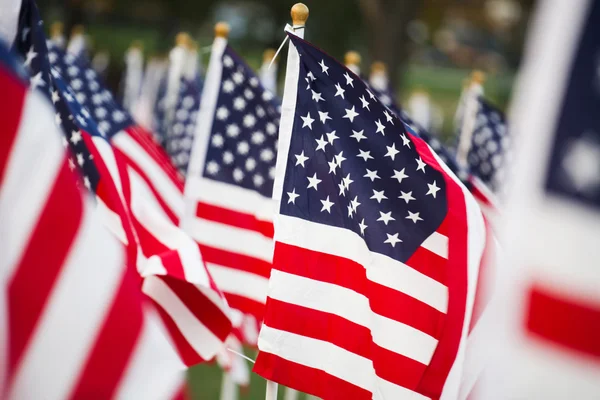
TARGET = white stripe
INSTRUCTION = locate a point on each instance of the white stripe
(29, 176)
(108, 158)
(326, 297)
(154, 370)
(331, 359)
(347, 244)
(151, 216)
(437, 243)
(168, 191)
(75, 311)
(111, 220)
(235, 240)
(202, 340)
(238, 282)
(228, 196)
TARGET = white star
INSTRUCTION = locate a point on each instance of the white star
(239, 103)
(380, 127)
(340, 158)
(347, 181)
(31, 54)
(250, 164)
(358, 135)
(267, 155)
(218, 140)
(388, 116)
(406, 196)
(365, 155)
(392, 239)
(300, 159)
(372, 175)
(212, 167)
(391, 151)
(86, 182)
(238, 175)
(433, 189)
(350, 211)
(581, 163)
(55, 96)
(37, 81)
(324, 68)
(249, 120)
(292, 196)
(354, 204)
(324, 116)
(349, 80)
(222, 113)
(378, 195)
(228, 157)
(228, 86)
(321, 143)
(420, 164)
(414, 217)
(57, 119)
(405, 140)
(331, 137)
(362, 227)
(258, 180)
(307, 121)
(232, 130)
(317, 96)
(400, 175)
(332, 166)
(385, 217)
(365, 103)
(311, 76)
(313, 181)
(326, 205)
(351, 114)
(80, 159)
(243, 147)
(75, 137)
(342, 188)
(339, 91)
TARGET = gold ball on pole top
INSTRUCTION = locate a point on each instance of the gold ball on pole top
(222, 30)
(478, 77)
(268, 55)
(352, 58)
(378, 66)
(56, 29)
(299, 14)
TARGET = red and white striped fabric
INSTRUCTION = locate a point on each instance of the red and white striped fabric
(75, 323)
(548, 327)
(344, 322)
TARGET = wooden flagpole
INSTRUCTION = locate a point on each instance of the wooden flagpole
(470, 114)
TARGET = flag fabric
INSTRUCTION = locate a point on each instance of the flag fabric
(547, 338)
(489, 152)
(75, 322)
(228, 189)
(377, 247)
(181, 135)
(137, 190)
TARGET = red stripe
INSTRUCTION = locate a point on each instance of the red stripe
(355, 338)
(234, 218)
(429, 264)
(201, 306)
(103, 370)
(235, 260)
(11, 104)
(42, 262)
(351, 275)
(572, 324)
(457, 232)
(246, 305)
(309, 380)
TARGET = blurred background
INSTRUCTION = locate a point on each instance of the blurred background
(428, 45)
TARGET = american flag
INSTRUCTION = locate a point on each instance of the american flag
(549, 346)
(138, 192)
(230, 180)
(490, 145)
(375, 242)
(181, 136)
(74, 321)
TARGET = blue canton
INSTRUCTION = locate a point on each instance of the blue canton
(352, 164)
(574, 168)
(490, 145)
(180, 138)
(243, 140)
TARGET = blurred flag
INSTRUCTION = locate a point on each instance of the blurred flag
(133, 76)
(144, 110)
(77, 43)
(377, 247)
(230, 181)
(138, 193)
(75, 323)
(551, 304)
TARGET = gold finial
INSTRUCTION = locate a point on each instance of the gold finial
(56, 29)
(378, 66)
(222, 30)
(268, 55)
(77, 30)
(137, 44)
(183, 39)
(352, 58)
(478, 77)
(299, 14)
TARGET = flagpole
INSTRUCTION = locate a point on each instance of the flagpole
(470, 113)
(299, 14)
(352, 60)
